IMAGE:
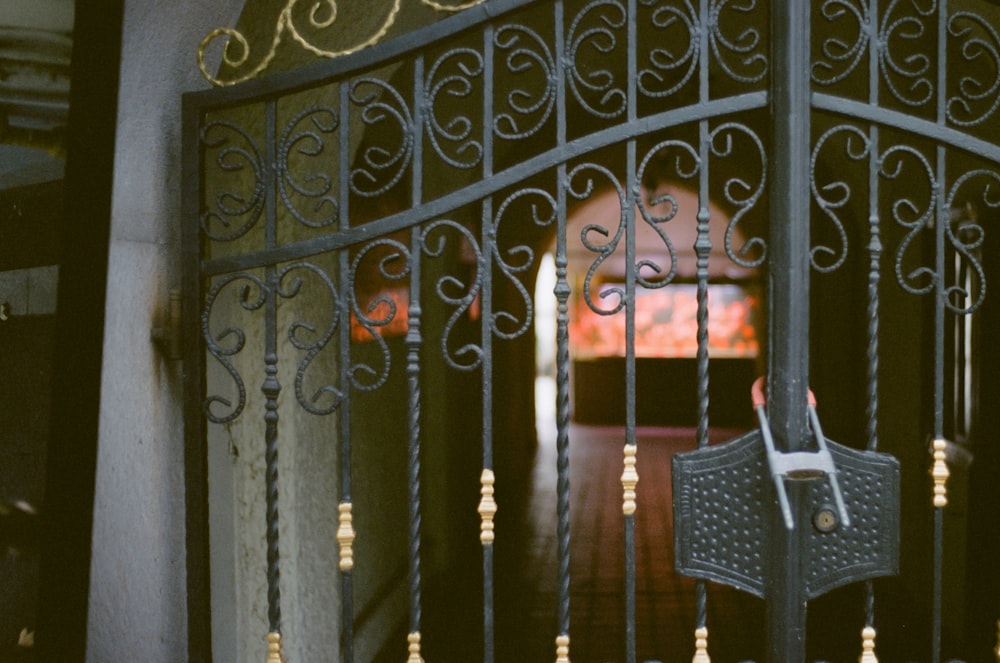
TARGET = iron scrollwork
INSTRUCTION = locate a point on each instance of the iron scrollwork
(533, 102)
(385, 112)
(747, 47)
(307, 143)
(230, 341)
(392, 263)
(665, 63)
(834, 195)
(966, 242)
(468, 152)
(740, 191)
(584, 174)
(980, 42)
(235, 209)
(457, 291)
(311, 339)
(666, 200)
(602, 38)
(518, 259)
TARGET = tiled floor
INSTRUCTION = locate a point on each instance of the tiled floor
(665, 602)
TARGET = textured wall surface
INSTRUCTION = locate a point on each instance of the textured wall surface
(137, 605)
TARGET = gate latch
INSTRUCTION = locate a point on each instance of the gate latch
(797, 464)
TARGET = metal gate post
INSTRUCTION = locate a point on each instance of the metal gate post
(788, 351)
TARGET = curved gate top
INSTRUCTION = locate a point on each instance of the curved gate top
(362, 237)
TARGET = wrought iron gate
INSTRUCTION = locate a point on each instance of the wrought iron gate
(361, 241)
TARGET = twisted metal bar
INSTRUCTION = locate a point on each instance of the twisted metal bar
(562, 293)
(271, 389)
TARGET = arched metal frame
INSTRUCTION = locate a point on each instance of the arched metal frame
(645, 76)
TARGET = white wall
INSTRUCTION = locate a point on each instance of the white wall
(138, 586)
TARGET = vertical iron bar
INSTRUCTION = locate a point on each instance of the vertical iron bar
(631, 194)
(487, 240)
(874, 264)
(562, 292)
(414, 342)
(703, 250)
(199, 605)
(788, 356)
(943, 217)
(630, 439)
(271, 388)
(346, 282)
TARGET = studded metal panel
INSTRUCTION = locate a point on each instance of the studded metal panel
(724, 497)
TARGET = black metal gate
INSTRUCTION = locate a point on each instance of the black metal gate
(362, 238)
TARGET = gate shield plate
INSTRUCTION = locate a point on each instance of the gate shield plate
(724, 501)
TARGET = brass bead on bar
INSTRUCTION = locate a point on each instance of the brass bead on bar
(345, 537)
(487, 507)
(629, 480)
(274, 654)
(562, 649)
(940, 474)
(414, 648)
(701, 646)
(867, 645)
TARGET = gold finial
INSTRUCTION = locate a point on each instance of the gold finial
(274, 654)
(414, 640)
(701, 646)
(940, 474)
(562, 648)
(345, 537)
(629, 480)
(487, 507)
(867, 645)
(996, 650)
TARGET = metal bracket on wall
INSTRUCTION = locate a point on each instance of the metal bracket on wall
(167, 336)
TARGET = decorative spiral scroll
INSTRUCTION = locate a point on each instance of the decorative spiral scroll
(392, 263)
(911, 70)
(236, 210)
(910, 213)
(527, 53)
(746, 47)
(309, 338)
(740, 192)
(834, 195)
(661, 153)
(452, 8)
(585, 174)
(307, 143)
(839, 57)
(457, 131)
(600, 82)
(455, 291)
(322, 15)
(520, 258)
(230, 341)
(682, 25)
(381, 168)
(968, 240)
(980, 42)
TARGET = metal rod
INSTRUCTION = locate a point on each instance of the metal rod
(788, 346)
(414, 342)
(486, 331)
(562, 293)
(346, 283)
(630, 400)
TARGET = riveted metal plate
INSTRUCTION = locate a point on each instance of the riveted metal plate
(724, 497)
